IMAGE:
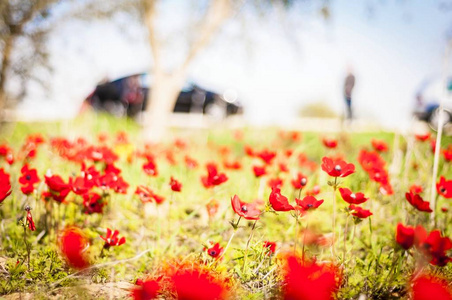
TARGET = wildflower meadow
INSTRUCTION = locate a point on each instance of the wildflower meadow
(88, 210)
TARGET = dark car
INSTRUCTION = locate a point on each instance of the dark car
(129, 96)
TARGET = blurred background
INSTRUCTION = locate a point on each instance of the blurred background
(276, 60)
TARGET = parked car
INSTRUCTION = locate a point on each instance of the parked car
(428, 99)
(129, 96)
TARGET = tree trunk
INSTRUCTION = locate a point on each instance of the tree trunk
(163, 95)
(166, 87)
(6, 60)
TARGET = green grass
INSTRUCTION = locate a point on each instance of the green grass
(182, 229)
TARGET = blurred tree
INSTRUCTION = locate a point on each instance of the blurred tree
(24, 28)
(201, 25)
(166, 84)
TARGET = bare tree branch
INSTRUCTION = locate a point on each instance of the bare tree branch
(149, 8)
(215, 16)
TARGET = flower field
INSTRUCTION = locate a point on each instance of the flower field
(89, 210)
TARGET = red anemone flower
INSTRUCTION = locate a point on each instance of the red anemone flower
(308, 203)
(266, 156)
(310, 280)
(329, 143)
(416, 201)
(314, 191)
(299, 182)
(275, 182)
(422, 137)
(278, 201)
(58, 197)
(6, 152)
(93, 203)
(270, 247)
(215, 251)
(304, 161)
(444, 187)
(73, 245)
(416, 189)
(5, 185)
(248, 211)
(111, 168)
(249, 151)
(436, 248)
(176, 186)
(111, 239)
(232, 165)
(28, 179)
(30, 222)
(212, 208)
(120, 186)
(359, 212)
(386, 189)
(111, 180)
(79, 185)
(405, 236)
(144, 193)
(433, 145)
(283, 167)
(190, 162)
(213, 178)
(91, 175)
(337, 168)
(194, 282)
(447, 153)
(146, 290)
(58, 189)
(259, 171)
(420, 235)
(352, 198)
(147, 195)
(379, 146)
(27, 189)
(427, 287)
(100, 154)
(370, 160)
(150, 168)
(56, 183)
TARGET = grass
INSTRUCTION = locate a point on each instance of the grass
(181, 228)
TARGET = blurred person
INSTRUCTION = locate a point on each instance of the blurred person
(349, 84)
(133, 95)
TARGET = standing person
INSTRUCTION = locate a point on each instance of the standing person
(349, 84)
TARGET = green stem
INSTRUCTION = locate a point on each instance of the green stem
(159, 227)
(392, 272)
(296, 227)
(334, 216)
(353, 236)
(27, 247)
(296, 232)
(304, 237)
(435, 218)
(345, 239)
(169, 212)
(247, 246)
(236, 226)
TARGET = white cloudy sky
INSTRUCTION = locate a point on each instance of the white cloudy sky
(276, 66)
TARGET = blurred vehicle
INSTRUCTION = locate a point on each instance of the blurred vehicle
(129, 96)
(427, 102)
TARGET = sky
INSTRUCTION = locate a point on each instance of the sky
(277, 64)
